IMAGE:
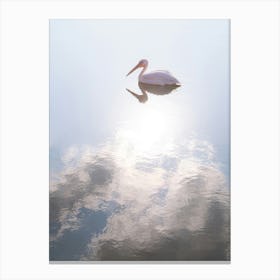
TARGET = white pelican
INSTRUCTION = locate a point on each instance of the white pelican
(159, 77)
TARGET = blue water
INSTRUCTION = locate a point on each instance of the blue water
(136, 175)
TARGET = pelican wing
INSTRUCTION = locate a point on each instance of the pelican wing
(159, 78)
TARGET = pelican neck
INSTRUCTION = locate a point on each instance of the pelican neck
(142, 72)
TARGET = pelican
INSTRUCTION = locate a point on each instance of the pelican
(159, 77)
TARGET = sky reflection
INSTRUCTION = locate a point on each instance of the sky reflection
(138, 205)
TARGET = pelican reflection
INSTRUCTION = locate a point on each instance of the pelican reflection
(155, 89)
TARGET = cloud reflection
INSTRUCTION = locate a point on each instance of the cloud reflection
(112, 203)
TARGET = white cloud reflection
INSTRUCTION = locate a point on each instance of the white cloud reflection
(117, 204)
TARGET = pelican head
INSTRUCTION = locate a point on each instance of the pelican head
(142, 63)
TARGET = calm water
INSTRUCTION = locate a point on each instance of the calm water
(139, 173)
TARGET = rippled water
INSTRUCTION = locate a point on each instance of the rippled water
(136, 172)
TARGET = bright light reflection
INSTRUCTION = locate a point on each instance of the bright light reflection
(149, 131)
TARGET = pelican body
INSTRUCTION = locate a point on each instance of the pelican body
(159, 77)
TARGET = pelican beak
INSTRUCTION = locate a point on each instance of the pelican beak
(133, 69)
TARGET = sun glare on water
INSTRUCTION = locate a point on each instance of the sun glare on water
(149, 132)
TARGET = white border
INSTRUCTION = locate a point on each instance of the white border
(255, 138)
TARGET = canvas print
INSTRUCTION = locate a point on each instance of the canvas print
(139, 140)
